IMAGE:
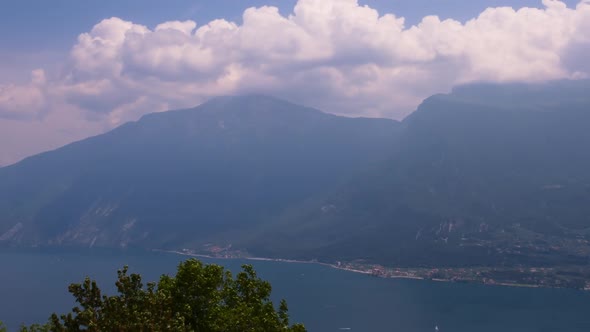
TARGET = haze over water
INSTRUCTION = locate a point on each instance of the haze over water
(323, 298)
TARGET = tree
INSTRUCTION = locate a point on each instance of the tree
(199, 298)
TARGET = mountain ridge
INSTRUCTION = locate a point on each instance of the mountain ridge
(206, 156)
(467, 185)
(476, 177)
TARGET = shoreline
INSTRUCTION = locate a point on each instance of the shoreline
(265, 259)
(369, 273)
(522, 277)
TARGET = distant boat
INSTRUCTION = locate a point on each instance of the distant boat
(345, 328)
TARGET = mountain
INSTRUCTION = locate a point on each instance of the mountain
(486, 175)
(187, 177)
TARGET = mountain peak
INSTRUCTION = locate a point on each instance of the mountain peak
(245, 98)
(251, 105)
(522, 96)
(253, 102)
(499, 100)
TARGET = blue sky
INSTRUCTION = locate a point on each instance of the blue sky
(71, 68)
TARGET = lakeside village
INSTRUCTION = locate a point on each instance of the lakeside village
(574, 277)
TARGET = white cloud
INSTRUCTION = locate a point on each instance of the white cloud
(23, 101)
(332, 54)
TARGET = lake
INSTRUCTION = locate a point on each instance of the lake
(34, 284)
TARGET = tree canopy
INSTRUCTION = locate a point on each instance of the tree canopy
(199, 298)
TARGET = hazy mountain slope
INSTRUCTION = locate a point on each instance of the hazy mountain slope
(182, 177)
(485, 175)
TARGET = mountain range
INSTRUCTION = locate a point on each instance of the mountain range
(485, 175)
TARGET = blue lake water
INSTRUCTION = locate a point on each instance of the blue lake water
(34, 284)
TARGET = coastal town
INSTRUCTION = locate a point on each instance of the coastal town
(573, 277)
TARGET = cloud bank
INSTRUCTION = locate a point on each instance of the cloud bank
(335, 55)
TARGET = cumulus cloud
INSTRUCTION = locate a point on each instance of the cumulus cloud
(336, 55)
(23, 101)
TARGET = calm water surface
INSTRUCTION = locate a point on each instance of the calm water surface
(34, 284)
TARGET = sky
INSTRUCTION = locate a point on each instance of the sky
(72, 69)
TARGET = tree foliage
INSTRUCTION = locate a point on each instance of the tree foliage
(199, 298)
